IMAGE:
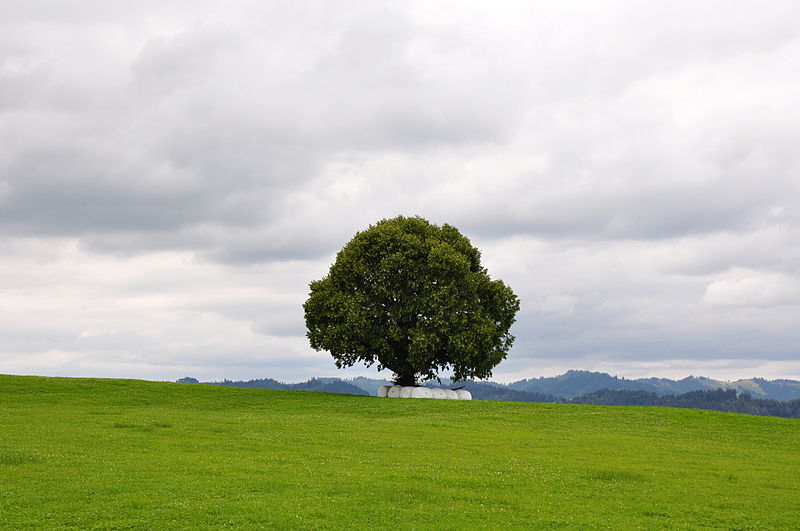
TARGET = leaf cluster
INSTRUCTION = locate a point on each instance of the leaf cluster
(412, 297)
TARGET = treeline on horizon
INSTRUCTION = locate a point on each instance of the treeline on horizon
(717, 399)
(328, 385)
(727, 400)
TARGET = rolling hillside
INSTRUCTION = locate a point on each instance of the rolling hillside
(576, 383)
(83, 453)
(569, 385)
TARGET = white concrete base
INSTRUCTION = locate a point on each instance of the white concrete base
(399, 391)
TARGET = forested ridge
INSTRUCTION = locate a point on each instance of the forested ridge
(715, 399)
(718, 400)
(327, 385)
(729, 400)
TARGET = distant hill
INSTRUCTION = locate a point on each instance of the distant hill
(775, 389)
(719, 400)
(576, 383)
(560, 388)
(324, 385)
(369, 385)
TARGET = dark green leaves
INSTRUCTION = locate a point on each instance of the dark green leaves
(413, 297)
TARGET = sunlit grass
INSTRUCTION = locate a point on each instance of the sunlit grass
(80, 453)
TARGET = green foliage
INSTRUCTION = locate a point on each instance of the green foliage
(413, 297)
(122, 454)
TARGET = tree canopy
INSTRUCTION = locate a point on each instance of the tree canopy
(412, 297)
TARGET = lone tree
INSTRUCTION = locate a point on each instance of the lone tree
(413, 297)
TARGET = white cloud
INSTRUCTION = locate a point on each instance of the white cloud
(743, 287)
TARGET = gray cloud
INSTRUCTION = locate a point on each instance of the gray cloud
(628, 167)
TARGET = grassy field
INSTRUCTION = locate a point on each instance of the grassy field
(117, 454)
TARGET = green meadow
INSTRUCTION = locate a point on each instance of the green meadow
(127, 454)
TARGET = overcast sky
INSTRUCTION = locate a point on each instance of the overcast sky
(174, 174)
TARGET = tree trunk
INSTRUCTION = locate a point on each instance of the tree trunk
(405, 379)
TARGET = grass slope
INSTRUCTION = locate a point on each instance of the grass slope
(115, 454)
